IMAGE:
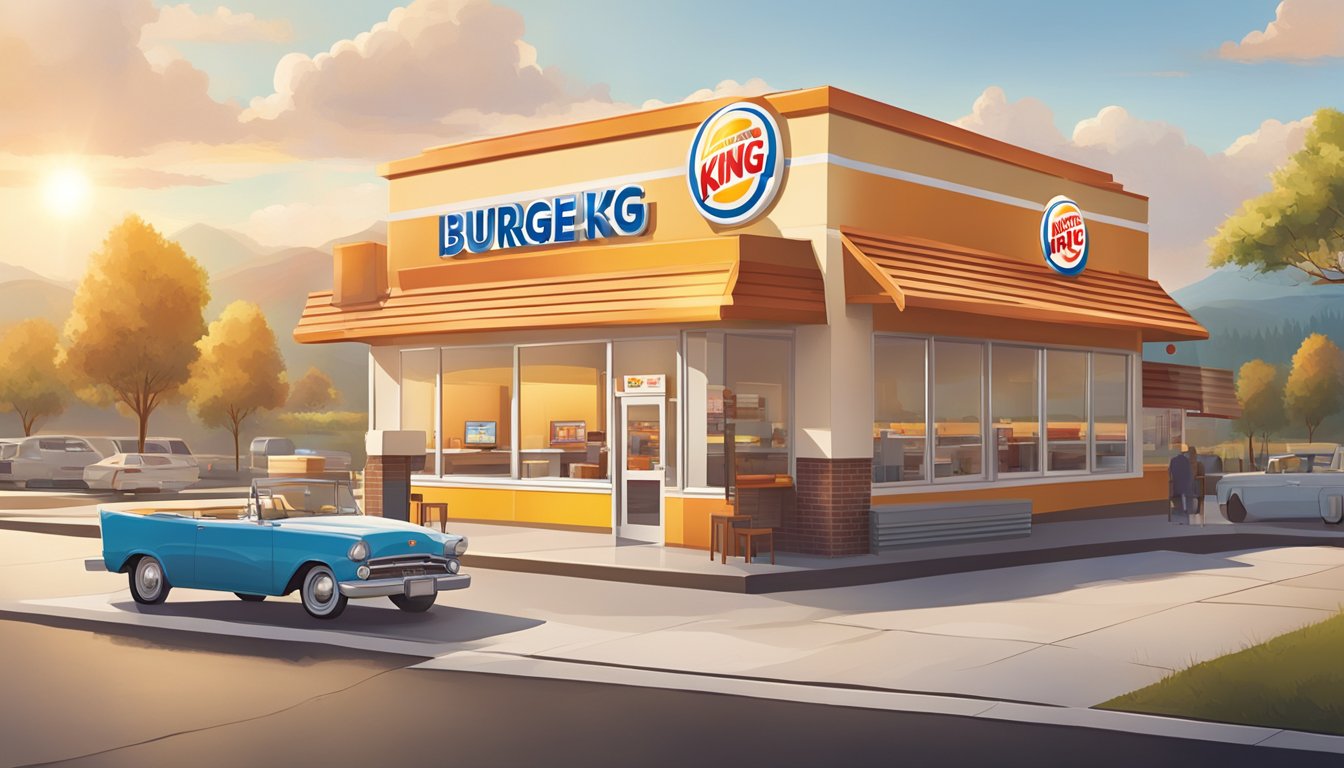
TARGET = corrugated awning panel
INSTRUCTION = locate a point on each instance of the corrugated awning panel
(736, 277)
(1199, 391)
(923, 273)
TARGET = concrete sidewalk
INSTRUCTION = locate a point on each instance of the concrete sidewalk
(599, 556)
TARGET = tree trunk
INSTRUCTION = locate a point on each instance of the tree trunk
(144, 428)
(1311, 431)
(1250, 449)
(236, 463)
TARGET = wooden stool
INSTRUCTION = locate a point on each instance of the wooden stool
(441, 511)
(750, 535)
(725, 523)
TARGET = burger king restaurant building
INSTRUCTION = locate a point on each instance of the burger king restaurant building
(602, 325)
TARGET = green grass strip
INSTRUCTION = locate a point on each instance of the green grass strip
(1294, 681)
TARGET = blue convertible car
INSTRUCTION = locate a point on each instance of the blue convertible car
(298, 533)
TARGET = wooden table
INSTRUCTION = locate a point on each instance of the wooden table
(441, 511)
(726, 523)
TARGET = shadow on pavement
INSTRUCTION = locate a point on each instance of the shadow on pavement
(441, 624)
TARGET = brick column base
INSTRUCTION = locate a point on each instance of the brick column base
(834, 497)
(387, 485)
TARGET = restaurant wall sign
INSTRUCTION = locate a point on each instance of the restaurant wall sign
(594, 215)
(735, 162)
(1064, 236)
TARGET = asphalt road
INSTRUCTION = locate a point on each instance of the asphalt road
(76, 695)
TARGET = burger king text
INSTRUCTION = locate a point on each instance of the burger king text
(619, 212)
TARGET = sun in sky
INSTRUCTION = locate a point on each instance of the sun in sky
(65, 191)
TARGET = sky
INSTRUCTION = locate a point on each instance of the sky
(269, 118)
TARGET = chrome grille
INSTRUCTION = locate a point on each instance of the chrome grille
(407, 565)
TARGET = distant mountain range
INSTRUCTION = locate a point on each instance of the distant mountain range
(1253, 315)
(277, 279)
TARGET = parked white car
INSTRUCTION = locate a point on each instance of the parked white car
(174, 446)
(48, 461)
(1304, 484)
(141, 472)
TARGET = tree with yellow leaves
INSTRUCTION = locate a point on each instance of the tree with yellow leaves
(137, 316)
(30, 384)
(1260, 394)
(1315, 386)
(314, 391)
(239, 371)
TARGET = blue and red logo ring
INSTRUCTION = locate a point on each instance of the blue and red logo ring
(761, 197)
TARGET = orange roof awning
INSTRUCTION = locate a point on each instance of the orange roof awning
(924, 273)
(740, 277)
(1199, 391)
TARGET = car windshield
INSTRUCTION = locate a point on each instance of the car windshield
(305, 498)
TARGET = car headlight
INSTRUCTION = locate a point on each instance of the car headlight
(360, 551)
(454, 566)
(461, 546)
(362, 572)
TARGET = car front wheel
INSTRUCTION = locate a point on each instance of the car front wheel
(322, 597)
(149, 586)
(1236, 511)
(412, 604)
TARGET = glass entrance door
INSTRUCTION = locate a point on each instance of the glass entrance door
(642, 468)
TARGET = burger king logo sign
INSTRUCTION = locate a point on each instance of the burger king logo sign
(1064, 236)
(734, 165)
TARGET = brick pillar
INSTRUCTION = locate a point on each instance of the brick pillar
(834, 497)
(393, 456)
(387, 487)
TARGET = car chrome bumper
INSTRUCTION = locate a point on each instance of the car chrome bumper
(385, 587)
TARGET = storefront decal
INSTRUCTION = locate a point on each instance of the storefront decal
(645, 384)
(734, 165)
(619, 212)
(1064, 236)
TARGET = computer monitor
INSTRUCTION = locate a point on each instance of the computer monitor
(566, 432)
(480, 434)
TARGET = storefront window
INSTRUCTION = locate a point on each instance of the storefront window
(958, 409)
(477, 410)
(740, 385)
(653, 356)
(419, 369)
(1110, 412)
(1066, 410)
(1015, 396)
(1163, 434)
(562, 411)
(899, 426)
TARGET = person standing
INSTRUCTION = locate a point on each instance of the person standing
(1180, 487)
(1196, 501)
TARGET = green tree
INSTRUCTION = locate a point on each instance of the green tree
(137, 316)
(1299, 223)
(239, 371)
(1315, 386)
(30, 383)
(1260, 394)
(314, 391)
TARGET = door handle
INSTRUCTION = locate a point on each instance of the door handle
(659, 467)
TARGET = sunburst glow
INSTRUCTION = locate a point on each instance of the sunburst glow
(66, 191)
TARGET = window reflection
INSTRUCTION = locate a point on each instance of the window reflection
(958, 409)
(899, 429)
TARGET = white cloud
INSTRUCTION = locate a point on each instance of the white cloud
(427, 75)
(1302, 30)
(752, 87)
(180, 22)
(1190, 191)
(324, 216)
(73, 79)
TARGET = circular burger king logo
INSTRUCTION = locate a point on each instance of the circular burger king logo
(734, 164)
(1064, 236)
